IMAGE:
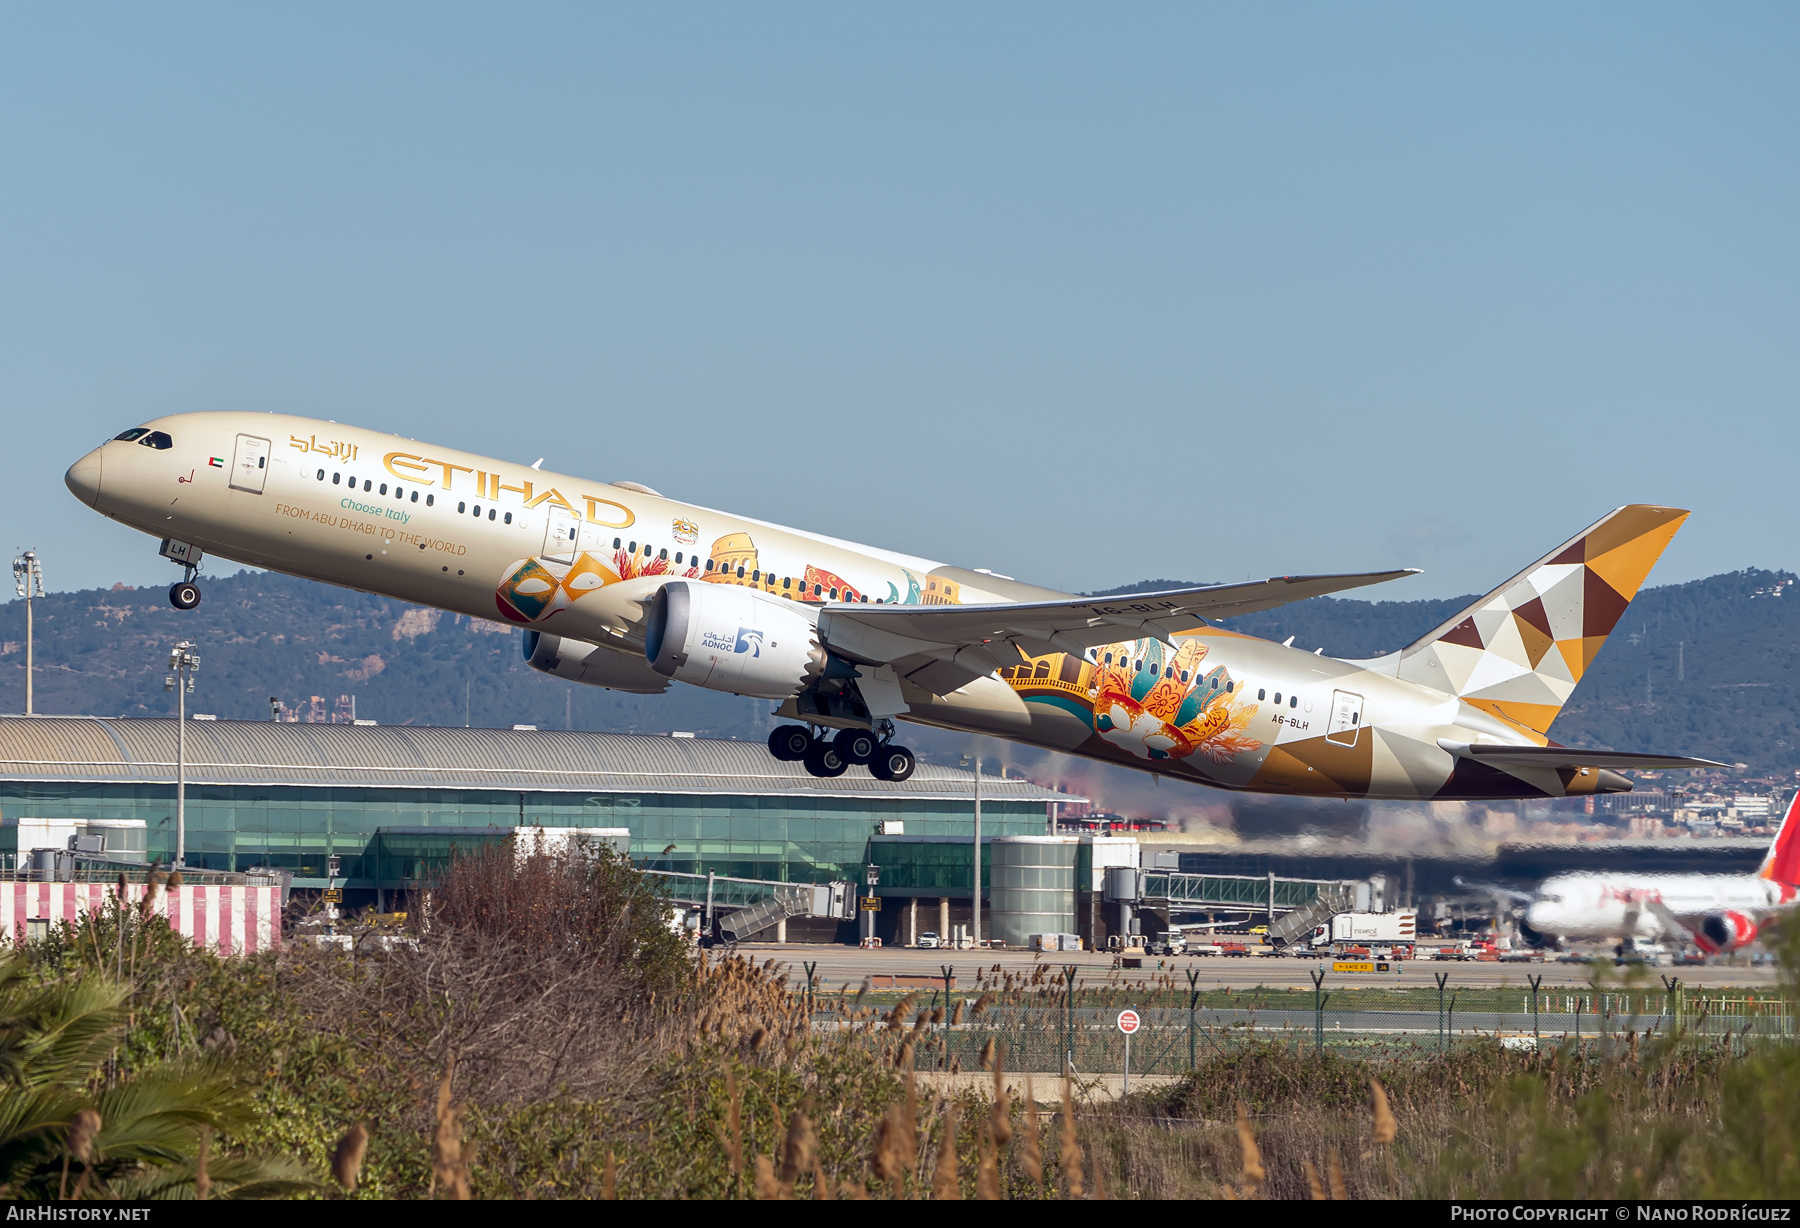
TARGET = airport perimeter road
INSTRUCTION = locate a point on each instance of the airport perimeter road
(840, 966)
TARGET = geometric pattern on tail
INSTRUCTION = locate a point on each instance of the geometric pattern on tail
(1519, 651)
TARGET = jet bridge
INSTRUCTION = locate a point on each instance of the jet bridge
(743, 907)
(1284, 903)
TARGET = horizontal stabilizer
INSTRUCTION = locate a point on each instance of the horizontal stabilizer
(1554, 757)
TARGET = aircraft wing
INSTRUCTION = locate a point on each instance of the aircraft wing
(1569, 757)
(1673, 926)
(983, 638)
(1496, 890)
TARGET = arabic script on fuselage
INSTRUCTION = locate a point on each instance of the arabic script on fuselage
(331, 447)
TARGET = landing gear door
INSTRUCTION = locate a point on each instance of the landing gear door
(1346, 718)
(250, 467)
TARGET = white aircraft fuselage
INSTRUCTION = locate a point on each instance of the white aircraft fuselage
(1717, 912)
(1611, 906)
(578, 565)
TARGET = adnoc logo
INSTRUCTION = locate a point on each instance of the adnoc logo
(749, 640)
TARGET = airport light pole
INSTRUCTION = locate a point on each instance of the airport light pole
(974, 761)
(872, 877)
(183, 661)
(28, 578)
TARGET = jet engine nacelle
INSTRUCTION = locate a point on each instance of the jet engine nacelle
(727, 638)
(585, 663)
(1725, 930)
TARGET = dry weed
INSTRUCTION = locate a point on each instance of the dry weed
(1071, 1147)
(347, 1158)
(1253, 1173)
(945, 1183)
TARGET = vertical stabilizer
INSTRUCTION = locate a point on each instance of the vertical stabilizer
(1783, 862)
(1519, 651)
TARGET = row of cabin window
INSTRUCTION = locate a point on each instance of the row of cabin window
(680, 558)
(1171, 670)
(1262, 693)
(462, 509)
(756, 576)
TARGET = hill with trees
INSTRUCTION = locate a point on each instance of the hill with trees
(1711, 667)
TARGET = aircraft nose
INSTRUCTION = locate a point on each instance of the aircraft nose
(83, 478)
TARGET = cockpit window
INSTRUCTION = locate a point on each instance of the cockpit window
(157, 439)
(133, 433)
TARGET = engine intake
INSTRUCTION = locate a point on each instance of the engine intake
(1726, 930)
(726, 638)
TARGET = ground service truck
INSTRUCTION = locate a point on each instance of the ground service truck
(1362, 929)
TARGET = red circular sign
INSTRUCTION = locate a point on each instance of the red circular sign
(1129, 1022)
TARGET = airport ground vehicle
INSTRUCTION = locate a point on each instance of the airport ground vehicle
(1168, 942)
(929, 941)
(1346, 929)
(614, 585)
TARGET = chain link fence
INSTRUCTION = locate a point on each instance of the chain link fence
(1045, 1027)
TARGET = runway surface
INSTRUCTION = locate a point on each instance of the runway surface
(838, 966)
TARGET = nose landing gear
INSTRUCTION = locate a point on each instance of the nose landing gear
(829, 757)
(184, 594)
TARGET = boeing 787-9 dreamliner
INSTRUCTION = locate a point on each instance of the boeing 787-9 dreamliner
(614, 585)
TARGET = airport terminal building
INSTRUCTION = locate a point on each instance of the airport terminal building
(391, 800)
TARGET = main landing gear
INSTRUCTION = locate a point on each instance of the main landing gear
(830, 756)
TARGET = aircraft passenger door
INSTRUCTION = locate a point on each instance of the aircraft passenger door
(561, 535)
(250, 467)
(1346, 718)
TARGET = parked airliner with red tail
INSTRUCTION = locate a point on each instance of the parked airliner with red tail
(616, 586)
(1715, 912)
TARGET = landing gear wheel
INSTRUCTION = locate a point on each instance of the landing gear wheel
(856, 745)
(789, 743)
(184, 594)
(823, 760)
(892, 764)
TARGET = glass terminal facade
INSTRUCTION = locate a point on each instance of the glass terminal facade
(789, 837)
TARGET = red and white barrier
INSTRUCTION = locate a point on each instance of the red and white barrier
(230, 918)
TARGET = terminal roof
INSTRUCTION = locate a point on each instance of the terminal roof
(107, 750)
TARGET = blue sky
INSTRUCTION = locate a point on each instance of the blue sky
(1081, 294)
